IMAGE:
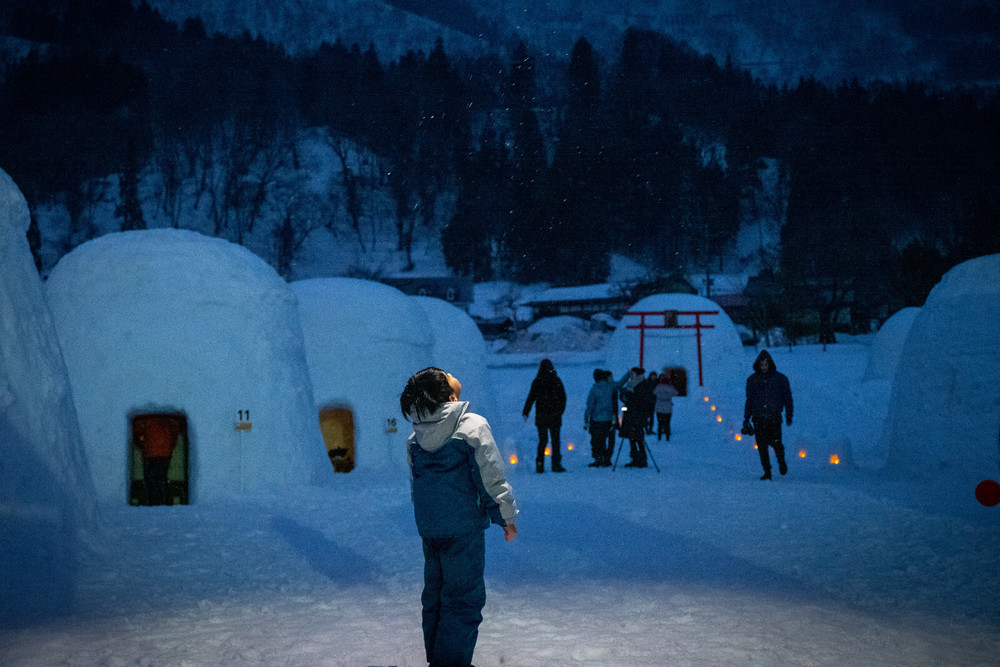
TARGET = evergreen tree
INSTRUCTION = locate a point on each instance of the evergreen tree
(519, 87)
(651, 162)
(529, 196)
(570, 246)
(477, 233)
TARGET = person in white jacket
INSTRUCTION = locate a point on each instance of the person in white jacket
(458, 487)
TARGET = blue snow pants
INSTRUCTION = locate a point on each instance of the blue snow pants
(454, 596)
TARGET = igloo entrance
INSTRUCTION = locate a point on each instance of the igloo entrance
(158, 470)
(337, 425)
(678, 378)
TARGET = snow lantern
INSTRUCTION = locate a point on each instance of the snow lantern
(46, 498)
(886, 348)
(363, 341)
(713, 350)
(171, 323)
(944, 411)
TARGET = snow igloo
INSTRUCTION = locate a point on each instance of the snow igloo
(363, 341)
(887, 348)
(944, 411)
(459, 348)
(46, 500)
(722, 360)
(170, 326)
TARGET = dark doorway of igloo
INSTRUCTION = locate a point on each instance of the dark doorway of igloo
(678, 378)
(337, 425)
(159, 452)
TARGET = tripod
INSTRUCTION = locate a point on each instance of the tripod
(621, 443)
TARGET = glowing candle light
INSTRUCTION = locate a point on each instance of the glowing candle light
(713, 408)
(570, 446)
(706, 399)
(739, 436)
(834, 459)
(513, 459)
(718, 418)
(802, 453)
(548, 451)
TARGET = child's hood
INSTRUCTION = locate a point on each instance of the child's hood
(438, 428)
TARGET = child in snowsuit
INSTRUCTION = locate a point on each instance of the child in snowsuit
(458, 486)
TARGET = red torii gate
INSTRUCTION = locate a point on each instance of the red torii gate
(670, 322)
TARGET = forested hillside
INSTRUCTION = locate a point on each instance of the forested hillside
(945, 42)
(112, 117)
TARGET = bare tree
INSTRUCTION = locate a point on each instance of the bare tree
(301, 215)
(357, 184)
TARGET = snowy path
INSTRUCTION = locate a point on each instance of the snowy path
(650, 570)
(701, 564)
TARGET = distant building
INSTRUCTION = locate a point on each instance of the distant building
(735, 305)
(456, 290)
(582, 302)
(672, 284)
(727, 290)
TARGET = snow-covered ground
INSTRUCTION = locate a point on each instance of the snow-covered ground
(697, 564)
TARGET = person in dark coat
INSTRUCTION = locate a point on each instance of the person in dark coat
(647, 399)
(458, 487)
(549, 398)
(768, 393)
(633, 424)
(615, 424)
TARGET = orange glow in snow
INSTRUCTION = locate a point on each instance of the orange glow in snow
(834, 459)
(548, 451)
(802, 453)
(513, 459)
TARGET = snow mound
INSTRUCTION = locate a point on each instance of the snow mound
(722, 361)
(887, 348)
(944, 412)
(363, 340)
(45, 492)
(460, 349)
(169, 320)
(553, 334)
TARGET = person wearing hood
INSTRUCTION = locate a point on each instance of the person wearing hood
(768, 393)
(548, 396)
(458, 487)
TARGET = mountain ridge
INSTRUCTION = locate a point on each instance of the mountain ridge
(945, 43)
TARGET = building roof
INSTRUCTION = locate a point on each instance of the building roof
(604, 292)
